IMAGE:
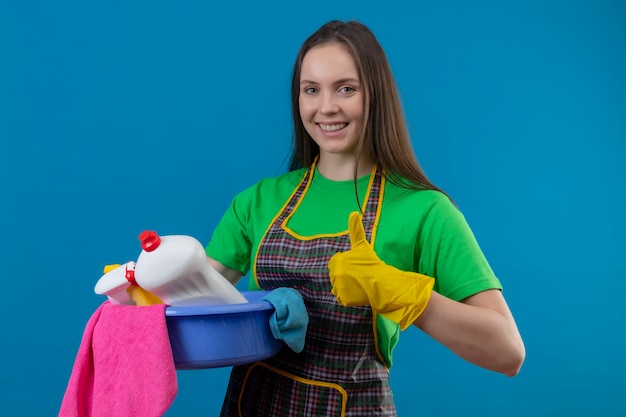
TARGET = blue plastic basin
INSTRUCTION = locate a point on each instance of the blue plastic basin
(222, 335)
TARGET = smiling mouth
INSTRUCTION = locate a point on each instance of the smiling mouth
(332, 127)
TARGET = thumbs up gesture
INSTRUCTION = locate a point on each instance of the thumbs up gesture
(360, 278)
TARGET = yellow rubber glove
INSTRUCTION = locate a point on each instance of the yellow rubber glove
(360, 278)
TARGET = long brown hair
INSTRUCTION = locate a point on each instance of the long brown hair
(385, 136)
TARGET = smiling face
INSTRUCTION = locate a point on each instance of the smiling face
(331, 101)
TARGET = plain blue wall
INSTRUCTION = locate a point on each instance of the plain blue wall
(117, 116)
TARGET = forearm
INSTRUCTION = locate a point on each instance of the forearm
(230, 274)
(480, 330)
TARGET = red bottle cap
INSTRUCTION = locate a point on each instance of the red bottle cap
(149, 240)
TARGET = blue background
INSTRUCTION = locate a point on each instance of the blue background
(119, 116)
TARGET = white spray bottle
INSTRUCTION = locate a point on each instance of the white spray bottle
(176, 269)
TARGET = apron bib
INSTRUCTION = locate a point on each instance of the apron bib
(339, 372)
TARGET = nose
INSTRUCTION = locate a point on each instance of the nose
(328, 104)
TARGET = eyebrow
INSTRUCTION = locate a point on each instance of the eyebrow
(341, 81)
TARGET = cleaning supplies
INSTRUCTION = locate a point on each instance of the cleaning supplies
(175, 268)
(124, 365)
(115, 282)
(119, 285)
(142, 297)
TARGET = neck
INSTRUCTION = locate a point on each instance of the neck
(337, 168)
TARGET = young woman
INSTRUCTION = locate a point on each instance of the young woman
(368, 241)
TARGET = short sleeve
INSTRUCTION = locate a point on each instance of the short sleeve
(450, 253)
(230, 243)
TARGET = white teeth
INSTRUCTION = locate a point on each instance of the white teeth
(333, 128)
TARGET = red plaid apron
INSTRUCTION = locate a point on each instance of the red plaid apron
(339, 373)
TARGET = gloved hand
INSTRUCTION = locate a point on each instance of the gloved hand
(360, 278)
(290, 319)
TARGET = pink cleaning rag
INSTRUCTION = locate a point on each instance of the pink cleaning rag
(124, 366)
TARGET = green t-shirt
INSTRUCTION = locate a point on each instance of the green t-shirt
(419, 231)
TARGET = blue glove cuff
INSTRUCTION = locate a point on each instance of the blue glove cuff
(290, 319)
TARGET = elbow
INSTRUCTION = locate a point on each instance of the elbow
(512, 366)
(513, 369)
